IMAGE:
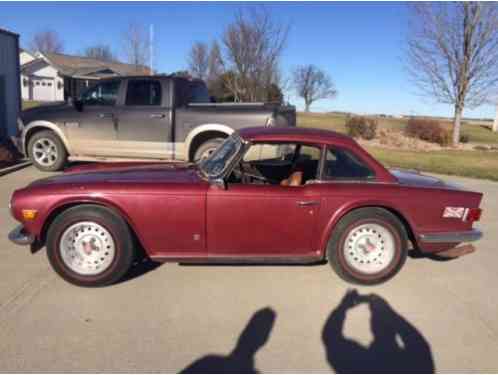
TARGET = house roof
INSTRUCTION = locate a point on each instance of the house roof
(7, 32)
(84, 66)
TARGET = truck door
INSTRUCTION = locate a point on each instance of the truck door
(91, 130)
(144, 127)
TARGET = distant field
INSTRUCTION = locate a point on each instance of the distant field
(478, 164)
(477, 132)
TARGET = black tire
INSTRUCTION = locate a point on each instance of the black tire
(124, 252)
(346, 226)
(206, 148)
(60, 153)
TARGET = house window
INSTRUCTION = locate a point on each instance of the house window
(37, 83)
(49, 84)
(25, 82)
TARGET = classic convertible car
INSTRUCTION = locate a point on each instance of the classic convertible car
(265, 195)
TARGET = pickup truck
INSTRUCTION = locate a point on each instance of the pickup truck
(137, 118)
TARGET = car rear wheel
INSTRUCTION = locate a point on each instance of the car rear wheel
(90, 246)
(46, 151)
(206, 149)
(368, 246)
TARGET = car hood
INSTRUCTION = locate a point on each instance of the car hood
(415, 178)
(127, 173)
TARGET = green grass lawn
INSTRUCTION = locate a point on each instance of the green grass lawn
(27, 104)
(477, 164)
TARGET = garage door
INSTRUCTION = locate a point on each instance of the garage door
(43, 90)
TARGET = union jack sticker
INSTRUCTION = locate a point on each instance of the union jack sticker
(454, 212)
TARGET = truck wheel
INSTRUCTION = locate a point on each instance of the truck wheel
(90, 246)
(46, 151)
(368, 246)
(206, 149)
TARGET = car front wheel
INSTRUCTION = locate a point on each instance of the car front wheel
(368, 246)
(90, 246)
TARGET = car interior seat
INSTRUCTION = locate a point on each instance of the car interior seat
(295, 179)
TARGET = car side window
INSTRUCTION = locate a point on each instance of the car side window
(143, 93)
(341, 164)
(105, 93)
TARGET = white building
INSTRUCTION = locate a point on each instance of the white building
(39, 80)
(48, 77)
(10, 103)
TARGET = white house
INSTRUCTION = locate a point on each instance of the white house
(50, 77)
(10, 103)
(39, 80)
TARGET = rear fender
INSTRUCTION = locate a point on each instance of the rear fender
(347, 208)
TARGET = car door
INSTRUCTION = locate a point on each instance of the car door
(144, 126)
(261, 220)
(92, 129)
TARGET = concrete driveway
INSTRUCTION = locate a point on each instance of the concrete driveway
(433, 314)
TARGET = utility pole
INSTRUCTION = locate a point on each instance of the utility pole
(151, 49)
(495, 124)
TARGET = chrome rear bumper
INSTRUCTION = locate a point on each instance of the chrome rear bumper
(20, 237)
(451, 237)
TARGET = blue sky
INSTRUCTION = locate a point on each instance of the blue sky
(359, 44)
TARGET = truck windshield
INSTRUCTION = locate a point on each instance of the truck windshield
(216, 164)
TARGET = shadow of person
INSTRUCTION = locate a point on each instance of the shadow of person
(397, 346)
(241, 359)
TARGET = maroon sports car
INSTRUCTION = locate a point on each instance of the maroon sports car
(265, 195)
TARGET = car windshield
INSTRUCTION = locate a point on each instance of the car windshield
(216, 164)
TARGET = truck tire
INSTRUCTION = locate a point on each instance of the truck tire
(368, 246)
(206, 149)
(46, 151)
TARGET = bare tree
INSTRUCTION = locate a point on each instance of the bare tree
(136, 45)
(453, 53)
(100, 52)
(312, 84)
(215, 62)
(47, 41)
(198, 60)
(253, 43)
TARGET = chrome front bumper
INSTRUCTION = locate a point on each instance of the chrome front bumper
(451, 237)
(20, 237)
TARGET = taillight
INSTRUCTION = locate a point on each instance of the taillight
(466, 214)
(473, 214)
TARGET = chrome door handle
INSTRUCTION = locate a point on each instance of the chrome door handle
(157, 115)
(307, 203)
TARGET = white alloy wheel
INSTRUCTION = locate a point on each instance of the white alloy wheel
(87, 248)
(369, 248)
(45, 152)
